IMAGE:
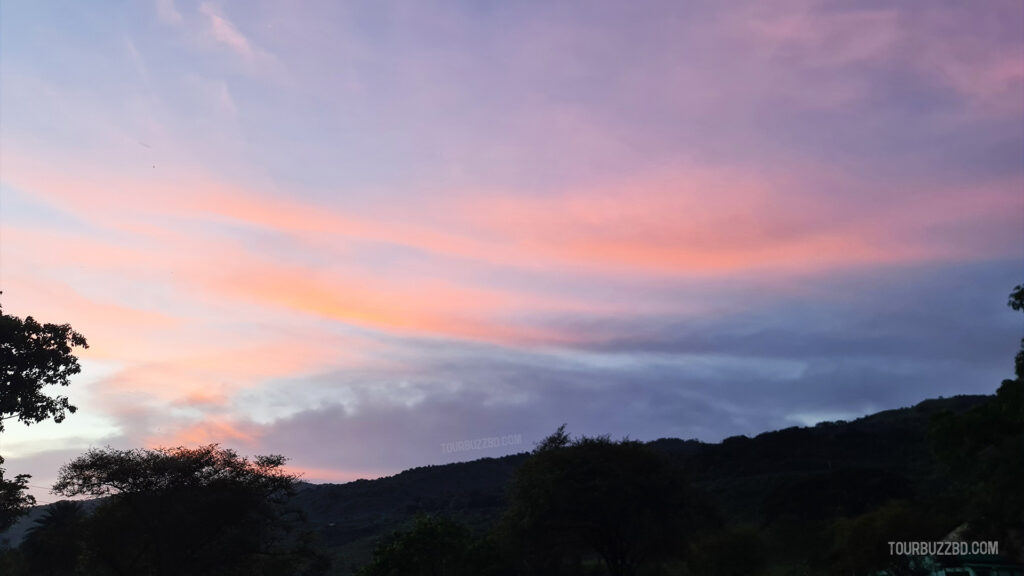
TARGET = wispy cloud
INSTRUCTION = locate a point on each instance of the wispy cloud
(224, 31)
(168, 12)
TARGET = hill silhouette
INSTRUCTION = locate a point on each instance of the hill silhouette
(749, 479)
(804, 474)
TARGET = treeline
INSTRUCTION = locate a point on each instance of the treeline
(597, 506)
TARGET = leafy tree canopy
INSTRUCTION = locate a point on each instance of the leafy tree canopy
(196, 511)
(102, 472)
(14, 500)
(32, 356)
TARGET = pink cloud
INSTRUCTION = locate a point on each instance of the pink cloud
(686, 222)
(816, 37)
(988, 75)
(704, 222)
(224, 270)
(224, 31)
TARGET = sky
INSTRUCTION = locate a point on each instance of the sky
(353, 232)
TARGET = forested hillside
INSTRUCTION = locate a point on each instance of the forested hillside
(776, 502)
(834, 468)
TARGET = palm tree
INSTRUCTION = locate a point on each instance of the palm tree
(53, 542)
(58, 515)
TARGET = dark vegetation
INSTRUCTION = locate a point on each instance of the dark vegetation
(820, 500)
(32, 355)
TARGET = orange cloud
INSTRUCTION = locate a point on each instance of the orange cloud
(210, 430)
(702, 223)
(413, 304)
(692, 223)
(686, 223)
(206, 373)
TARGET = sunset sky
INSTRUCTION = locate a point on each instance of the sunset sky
(349, 232)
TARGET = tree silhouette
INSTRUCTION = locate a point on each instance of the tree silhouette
(983, 450)
(14, 500)
(32, 356)
(196, 511)
(434, 547)
(619, 503)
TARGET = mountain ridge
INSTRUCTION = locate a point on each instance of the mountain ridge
(738, 473)
(745, 477)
